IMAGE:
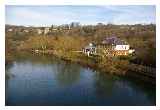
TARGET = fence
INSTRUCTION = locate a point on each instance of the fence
(144, 70)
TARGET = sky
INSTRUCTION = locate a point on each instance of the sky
(57, 15)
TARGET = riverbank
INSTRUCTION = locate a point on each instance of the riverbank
(104, 65)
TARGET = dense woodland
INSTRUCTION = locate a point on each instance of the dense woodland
(142, 38)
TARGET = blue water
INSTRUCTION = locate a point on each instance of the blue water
(45, 80)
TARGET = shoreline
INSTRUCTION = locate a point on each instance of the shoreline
(90, 63)
(128, 73)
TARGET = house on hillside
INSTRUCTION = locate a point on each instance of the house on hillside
(46, 30)
(42, 30)
(39, 31)
(25, 30)
(115, 46)
(90, 49)
(54, 29)
(10, 30)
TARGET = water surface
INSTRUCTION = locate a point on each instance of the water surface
(46, 80)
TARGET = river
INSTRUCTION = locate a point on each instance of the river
(45, 80)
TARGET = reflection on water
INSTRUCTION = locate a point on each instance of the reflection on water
(66, 74)
(45, 80)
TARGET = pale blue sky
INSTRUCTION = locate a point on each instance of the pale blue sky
(47, 15)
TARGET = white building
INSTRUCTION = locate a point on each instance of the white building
(90, 49)
(26, 31)
(10, 30)
(39, 31)
(46, 30)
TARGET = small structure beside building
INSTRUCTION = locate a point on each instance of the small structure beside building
(90, 49)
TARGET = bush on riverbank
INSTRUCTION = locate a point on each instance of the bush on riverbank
(113, 66)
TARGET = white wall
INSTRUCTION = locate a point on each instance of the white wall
(122, 47)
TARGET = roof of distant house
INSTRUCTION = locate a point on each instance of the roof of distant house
(113, 40)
